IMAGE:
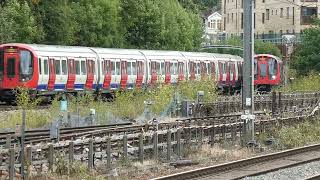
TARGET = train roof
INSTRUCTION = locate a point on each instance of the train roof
(79, 51)
(118, 53)
(53, 50)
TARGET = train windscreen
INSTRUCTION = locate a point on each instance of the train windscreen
(273, 67)
(26, 65)
(263, 70)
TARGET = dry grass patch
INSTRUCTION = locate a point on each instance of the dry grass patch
(207, 154)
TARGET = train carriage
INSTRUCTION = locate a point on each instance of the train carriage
(48, 69)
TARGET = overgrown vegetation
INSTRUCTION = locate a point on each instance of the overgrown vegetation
(294, 136)
(306, 57)
(310, 83)
(129, 104)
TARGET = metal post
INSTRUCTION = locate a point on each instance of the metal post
(23, 127)
(248, 86)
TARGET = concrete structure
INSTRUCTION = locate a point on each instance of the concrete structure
(212, 26)
(270, 16)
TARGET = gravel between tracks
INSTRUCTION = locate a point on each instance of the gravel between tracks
(294, 173)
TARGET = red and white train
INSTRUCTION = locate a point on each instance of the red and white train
(46, 69)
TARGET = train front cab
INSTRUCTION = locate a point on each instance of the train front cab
(266, 72)
(17, 68)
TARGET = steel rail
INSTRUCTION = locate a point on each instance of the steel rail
(213, 170)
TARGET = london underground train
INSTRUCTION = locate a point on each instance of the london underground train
(48, 69)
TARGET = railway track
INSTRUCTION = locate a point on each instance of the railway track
(43, 135)
(252, 166)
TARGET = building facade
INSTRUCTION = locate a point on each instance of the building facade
(270, 16)
(212, 27)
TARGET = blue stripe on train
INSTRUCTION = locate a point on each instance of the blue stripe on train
(81, 86)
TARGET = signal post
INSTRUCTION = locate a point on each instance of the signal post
(248, 74)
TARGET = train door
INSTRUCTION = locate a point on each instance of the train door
(11, 70)
(140, 72)
(167, 72)
(197, 70)
(192, 70)
(220, 72)
(227, 73)
(203, 70)
(153, 71)
(213, 71)
(239, 71)
(132, 73)
(124, 74)
(174, 72)
(71, 75)
(90, 73)
(181, 71)
(162, 71)
(116, 73)
(107, 74)
(43, 73)
(80, 72)
(60, 67)
(52, 74)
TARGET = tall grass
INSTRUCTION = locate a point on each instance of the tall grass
(304, 84)
(129, 104)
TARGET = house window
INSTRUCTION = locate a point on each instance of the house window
(228, 17)
(219, 24)
(268, 14)
(288, 13)
(262, 18)
(281, 12)
(241, 20)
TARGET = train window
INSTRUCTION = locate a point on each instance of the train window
(162, 68)
(77, 64)
(129, 68)
(198, 68)
(39, 65)
(134, 68)
(83, 68)
(113, 68)
(158, 68)
(93, 67)
(175, 69)
(263, 70)
(117, 68)
(45, 67)
(26, 65)
(64, 67)
(107, 66)
(141, 67)
(57, 66)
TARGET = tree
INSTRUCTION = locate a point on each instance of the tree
(59, 24)
(306, 58)
(99, 23)
(142, 21)
(17, 23)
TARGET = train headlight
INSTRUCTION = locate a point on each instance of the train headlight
(273, 77)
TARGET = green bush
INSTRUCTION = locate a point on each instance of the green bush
(310, 82)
